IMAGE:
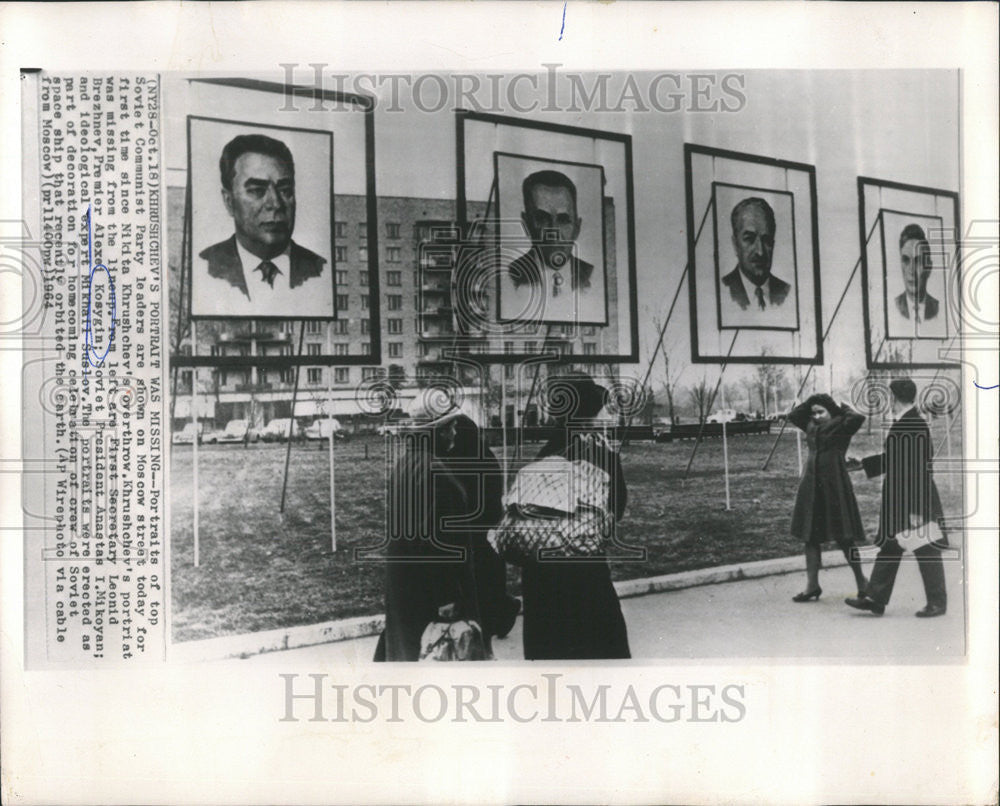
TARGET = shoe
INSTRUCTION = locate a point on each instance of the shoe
(512, 609)
(864, 603)
(931, 611)
(807, 596)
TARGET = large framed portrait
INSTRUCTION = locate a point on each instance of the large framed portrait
(909, 273)
(548, 241)
(262, 221)
(753, 258)
(552, 267)
(277, 228)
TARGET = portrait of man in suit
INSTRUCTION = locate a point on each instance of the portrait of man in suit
(259, 270)
(550, 281)
(751, 296)
(915, 312)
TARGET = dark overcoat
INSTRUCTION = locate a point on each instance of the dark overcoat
(908, 489)
(475, 467)
(428, 564)
(571, 609)
(825, 506)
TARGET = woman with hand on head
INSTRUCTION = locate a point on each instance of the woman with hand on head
(825, 507)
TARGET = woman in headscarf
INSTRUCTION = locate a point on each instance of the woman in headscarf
(426, 567)
(825, 507)
(571, 609)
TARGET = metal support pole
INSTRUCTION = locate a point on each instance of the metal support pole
(291, 422)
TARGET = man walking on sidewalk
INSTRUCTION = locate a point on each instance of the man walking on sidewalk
(909, 500)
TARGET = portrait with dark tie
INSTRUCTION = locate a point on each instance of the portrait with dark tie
(913, 275)
(755, 259)
(550, 241)
(262, 235)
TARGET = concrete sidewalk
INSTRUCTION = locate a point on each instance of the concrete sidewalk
(751, 618)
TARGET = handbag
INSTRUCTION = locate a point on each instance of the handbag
(555, 509)
(453, 638)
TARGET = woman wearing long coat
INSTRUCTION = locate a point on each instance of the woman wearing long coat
(571, 609)
(825, 507)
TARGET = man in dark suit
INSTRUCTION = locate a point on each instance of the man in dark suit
(260, 259)
(915, 260)
(550, 218)
(751, 284)
(909, 499)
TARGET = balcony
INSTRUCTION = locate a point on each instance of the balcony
(256, 388)
(436, 261)
(436, 313)
(437, 231)
(260, 336)
(428, 334)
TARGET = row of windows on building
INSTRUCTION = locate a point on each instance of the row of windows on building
(393, 230)
(393, 302)
(394, 349)
(393, 254)
(315, 376)
(341, 375)
(395, 325)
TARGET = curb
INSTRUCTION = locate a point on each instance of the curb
(248, 644)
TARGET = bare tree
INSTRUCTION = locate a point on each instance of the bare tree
(768, 376)
(672, 371)
(701, 396)
(748, 383)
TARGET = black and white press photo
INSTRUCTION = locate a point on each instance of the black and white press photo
(383, 339)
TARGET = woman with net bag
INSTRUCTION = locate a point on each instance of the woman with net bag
(571, 609)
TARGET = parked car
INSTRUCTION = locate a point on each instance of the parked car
(277, 430)
(322, 429)
(392, 423)
(722, 416)
(186, 435)
(235, 431)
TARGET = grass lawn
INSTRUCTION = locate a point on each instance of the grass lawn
(260, 570)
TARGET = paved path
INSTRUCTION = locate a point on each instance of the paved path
(754, 618)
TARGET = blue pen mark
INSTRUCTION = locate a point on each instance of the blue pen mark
(88, 330)
(563, 27)
(986, 388)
